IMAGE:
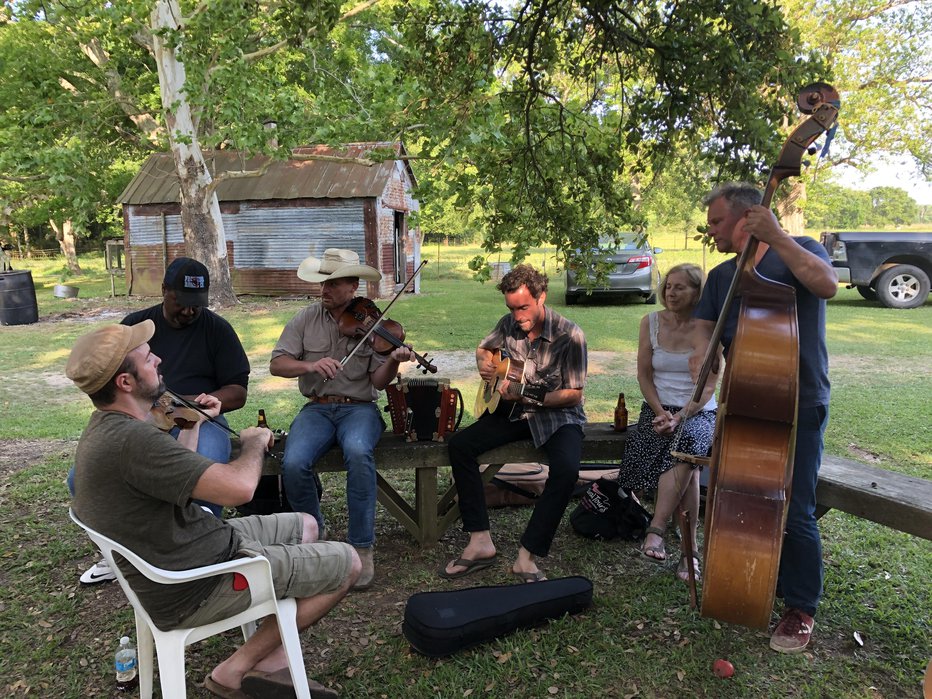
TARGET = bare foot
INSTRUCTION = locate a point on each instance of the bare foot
(682, 572)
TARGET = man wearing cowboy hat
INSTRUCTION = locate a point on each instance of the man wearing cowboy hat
(341, 406)
(137, 485)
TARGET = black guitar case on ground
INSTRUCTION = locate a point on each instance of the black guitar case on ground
(441, 623)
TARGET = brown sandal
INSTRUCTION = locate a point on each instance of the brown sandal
(657, 554)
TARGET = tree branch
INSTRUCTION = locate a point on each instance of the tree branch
(144, 121)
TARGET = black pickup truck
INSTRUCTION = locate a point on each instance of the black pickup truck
(890, 267)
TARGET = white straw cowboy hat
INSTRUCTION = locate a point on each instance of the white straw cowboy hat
(335, 264)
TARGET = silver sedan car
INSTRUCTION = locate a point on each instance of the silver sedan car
(632, 272)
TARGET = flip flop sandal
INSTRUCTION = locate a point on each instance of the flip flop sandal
(525, 577)
(278, 685)
(223, 691)
(682, 572)
(471, 565)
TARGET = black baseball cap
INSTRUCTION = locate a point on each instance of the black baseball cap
(190, 281)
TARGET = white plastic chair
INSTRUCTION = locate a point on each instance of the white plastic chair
(170, 645)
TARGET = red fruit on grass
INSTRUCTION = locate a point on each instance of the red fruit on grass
(723, 668)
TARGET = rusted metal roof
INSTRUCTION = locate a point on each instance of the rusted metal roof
(157, 182)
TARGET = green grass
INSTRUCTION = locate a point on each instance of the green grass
(640, 638)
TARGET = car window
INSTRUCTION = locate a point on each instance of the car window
(627, 242)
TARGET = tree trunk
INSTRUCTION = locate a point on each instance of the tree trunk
(789, 208)
(64, 234)
(200, 210)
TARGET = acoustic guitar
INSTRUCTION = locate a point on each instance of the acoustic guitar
(506, 369)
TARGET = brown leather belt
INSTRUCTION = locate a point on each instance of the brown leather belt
(335, 399)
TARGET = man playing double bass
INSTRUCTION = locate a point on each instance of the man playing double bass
(735, 214)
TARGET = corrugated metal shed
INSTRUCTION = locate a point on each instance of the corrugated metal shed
(157, 182)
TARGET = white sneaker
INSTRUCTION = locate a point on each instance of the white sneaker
(98, 573)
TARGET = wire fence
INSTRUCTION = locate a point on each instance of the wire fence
(34, 254)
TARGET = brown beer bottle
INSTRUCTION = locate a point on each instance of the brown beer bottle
(621, 414)
(262, 422)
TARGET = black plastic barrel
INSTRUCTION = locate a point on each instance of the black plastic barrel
(18, 298)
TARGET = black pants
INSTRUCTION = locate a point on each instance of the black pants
(564, 450)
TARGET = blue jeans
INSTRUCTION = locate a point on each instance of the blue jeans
(357, 428)
(212, 442)
(801, 571)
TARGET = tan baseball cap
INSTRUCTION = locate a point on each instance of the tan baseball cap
(97, 355)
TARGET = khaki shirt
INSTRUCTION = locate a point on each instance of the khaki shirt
(313, 334)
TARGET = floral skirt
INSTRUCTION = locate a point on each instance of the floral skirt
(647, 454)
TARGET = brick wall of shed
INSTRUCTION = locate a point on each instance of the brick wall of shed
(396, 197)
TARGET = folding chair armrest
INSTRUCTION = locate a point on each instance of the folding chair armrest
(256, 570)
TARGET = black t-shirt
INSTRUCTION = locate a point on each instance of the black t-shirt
(199, 358)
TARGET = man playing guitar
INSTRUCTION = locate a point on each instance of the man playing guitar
(544, 402)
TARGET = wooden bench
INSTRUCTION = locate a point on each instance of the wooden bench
(893, 499)
(887, 497)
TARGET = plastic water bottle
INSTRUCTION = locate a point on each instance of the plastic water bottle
(125, 664)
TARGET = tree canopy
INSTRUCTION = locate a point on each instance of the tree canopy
(531, 123)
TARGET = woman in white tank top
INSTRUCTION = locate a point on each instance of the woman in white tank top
(664, 347)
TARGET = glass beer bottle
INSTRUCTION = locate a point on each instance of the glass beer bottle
(621, 414)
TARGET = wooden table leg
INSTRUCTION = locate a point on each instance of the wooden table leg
(425, 505)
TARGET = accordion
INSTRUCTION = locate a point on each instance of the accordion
(424, 409)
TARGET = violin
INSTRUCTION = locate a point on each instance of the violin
(358, 320)
(167, 414)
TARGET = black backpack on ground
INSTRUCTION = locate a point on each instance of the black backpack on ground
(607, 512)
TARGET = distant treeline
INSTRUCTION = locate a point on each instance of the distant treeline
(831, 206)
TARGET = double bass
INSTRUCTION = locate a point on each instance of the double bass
(751, 464)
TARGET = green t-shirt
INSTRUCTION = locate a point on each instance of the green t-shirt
(133, 484)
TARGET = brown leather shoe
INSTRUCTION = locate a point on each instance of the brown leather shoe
(368, 570)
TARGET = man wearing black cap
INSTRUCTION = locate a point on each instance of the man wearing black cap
(200, 353)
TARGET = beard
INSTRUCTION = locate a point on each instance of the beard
(154, 393)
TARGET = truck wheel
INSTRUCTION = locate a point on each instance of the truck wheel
(903, 286)
(570, 299)
(867, 293)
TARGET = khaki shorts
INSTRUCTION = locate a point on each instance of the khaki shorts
(298, 570)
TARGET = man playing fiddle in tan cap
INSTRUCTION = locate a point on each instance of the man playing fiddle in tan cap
(137, 485)
(341, 406)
